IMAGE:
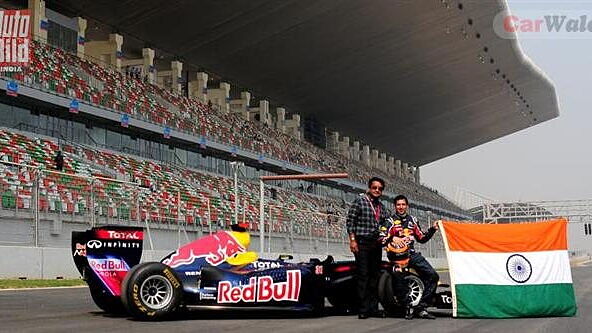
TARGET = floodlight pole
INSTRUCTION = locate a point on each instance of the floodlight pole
(262, 179)
(261, 217)
(235, 167)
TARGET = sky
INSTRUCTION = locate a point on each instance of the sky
(549, 161)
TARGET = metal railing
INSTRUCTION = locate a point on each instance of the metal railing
(36, 193)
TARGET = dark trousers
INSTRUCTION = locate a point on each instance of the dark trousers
(368, 261)
(400, 287)
(428, 276)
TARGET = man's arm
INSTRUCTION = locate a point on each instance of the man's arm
(422, 237)
(352, 216)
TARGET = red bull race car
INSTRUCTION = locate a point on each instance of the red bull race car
(214, 270)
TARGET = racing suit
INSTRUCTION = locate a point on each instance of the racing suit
(407, 226)
(399, 257)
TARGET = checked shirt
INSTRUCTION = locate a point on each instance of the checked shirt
(361, 220)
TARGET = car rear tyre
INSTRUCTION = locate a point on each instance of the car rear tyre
(151, 291)
(386, 293)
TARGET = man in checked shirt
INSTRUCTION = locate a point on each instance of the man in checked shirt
(364, 218)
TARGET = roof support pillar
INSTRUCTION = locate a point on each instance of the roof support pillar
(355, 151)
(333, 142)
(38, 19)
(398, 169)
(81, 37)
(241, 105)
(374, 159)
(344, 146)
(366, 155)
(176, 72)
(382, 162)
(390, 166)
(107, 52)
(292, 126)
(220, 97)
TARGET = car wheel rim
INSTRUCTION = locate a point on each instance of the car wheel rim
(415, 291)
(156, 292)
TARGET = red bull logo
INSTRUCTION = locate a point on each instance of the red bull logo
(111, 271)
(215, 249)
(261, 289)
(112, 264)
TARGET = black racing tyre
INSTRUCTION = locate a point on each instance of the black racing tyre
(151, 291)
(108, 303)
(386, 293)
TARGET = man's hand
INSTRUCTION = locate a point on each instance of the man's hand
(436, 224)
(353, 246)
(398, 242)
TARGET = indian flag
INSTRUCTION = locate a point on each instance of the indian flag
(509, 270)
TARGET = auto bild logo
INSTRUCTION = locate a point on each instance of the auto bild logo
(15, 29)
(261, 289)
(552, 24)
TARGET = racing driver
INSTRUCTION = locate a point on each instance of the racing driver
(412, 231)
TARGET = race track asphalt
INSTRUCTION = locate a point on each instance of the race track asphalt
(72, 310)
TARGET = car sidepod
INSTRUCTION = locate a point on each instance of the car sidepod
(286, 285)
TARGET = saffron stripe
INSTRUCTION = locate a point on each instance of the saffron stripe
(515, 237)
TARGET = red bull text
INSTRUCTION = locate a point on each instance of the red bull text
(261, 289)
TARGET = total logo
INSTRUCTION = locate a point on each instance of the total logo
(261, 289)
(446, 299)
(109, 264)
(265, 264)
(123, 235)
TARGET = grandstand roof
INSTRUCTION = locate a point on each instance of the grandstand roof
(416, 79)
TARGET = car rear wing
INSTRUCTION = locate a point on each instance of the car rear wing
(103, 255)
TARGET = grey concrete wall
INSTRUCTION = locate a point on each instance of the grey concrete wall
(51, 263)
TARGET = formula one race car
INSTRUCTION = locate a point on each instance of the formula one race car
(214, 270)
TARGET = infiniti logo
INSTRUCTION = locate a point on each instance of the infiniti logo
(94, 244)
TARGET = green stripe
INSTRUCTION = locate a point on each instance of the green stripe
(493, 301)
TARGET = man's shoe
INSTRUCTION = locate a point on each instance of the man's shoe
(378, 314)
(424, 314)
(409, 312)
(363, 316)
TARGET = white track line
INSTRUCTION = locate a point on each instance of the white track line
(42, 288)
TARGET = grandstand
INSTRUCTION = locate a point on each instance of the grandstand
(147, 145)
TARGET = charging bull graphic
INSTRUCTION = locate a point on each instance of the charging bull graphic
(215, 249)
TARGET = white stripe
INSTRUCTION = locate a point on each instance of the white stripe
(490, 268)
(451, 271)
